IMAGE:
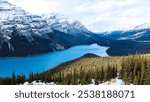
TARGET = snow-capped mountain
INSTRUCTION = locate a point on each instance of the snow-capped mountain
(73, 32)
(139, 33)
(14, 17)
(64, 24)
(22, 33)
(129, 41)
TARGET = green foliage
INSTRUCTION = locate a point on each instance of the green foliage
(83, 70)
(136, 69)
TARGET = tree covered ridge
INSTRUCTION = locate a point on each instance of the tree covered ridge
(136, 69)
(133, 69)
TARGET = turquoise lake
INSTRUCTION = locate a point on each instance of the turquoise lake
(40, 63)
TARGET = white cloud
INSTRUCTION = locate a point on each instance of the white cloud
(37, 6)
(97, 15)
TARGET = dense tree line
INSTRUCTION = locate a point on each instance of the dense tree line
(75, 77)
(136, 69)
(13, 80)
(133, 69)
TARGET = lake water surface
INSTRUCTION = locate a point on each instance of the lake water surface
(40, 63)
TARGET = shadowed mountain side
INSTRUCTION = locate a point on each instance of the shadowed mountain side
(126, 47)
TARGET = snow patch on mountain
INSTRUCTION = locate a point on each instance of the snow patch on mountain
(64, 24)
(14, 17)
(134, 36)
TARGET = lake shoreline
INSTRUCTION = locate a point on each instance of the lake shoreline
(39, 63)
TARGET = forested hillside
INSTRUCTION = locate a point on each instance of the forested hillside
(133, 69)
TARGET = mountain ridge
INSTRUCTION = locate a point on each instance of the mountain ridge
(64, 24)
(23, 34)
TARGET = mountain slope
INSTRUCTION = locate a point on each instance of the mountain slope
(63, 24)
(139, 33)
(23, 34)
(73, 32)
(131, 41)
(82, 70)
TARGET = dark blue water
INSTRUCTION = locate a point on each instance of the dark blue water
(44, 62)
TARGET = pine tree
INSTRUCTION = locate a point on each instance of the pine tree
(83, 79)
(96, 77)
(135, 81)
(59, 78)
(23, 78)
(68, 79)
(74, 79)
(108, 73)
(113, 75)
(102, 74)
(142, 74)
(31, 77)
(63, 79)
(13, 79)
(88, 77)
(1, 81)
(19, 79)
(7, 81)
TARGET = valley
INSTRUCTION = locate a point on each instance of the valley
(52, 48)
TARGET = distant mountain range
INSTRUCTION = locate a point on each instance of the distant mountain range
(133, 40)
(140, 33)
(23, 34)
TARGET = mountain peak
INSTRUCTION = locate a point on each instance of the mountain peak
(12, 16)
(21, 31)
(65, 24)
(79, 25)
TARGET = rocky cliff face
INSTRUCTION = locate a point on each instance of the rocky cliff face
(22, 33)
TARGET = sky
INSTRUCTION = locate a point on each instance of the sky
(96, 15)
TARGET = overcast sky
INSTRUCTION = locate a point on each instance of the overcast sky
(96, 15)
